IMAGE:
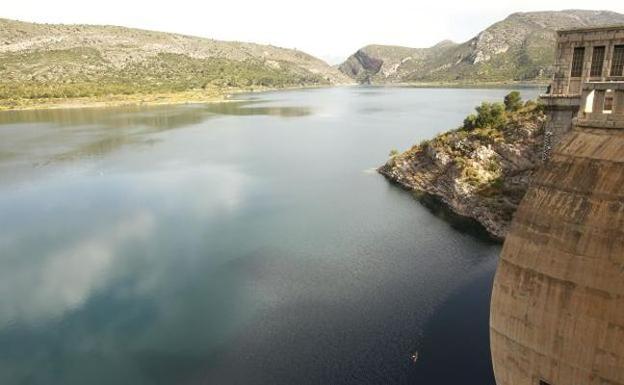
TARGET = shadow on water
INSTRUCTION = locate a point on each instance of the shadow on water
(156, 117)
(101, 147)
(94, 132)
(248, 108)
(451, 336)
(441, 210)
(458, 222)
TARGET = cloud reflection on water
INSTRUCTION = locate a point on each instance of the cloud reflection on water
(39, 283)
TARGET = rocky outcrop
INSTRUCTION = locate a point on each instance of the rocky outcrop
(361, 66)
(518, 48)
(373, 62)
(481, 173)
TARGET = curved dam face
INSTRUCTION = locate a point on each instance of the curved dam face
(558, 301)
(557, 309)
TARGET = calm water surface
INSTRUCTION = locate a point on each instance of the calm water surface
(236, 243)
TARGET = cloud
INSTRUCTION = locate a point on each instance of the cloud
(64, 279)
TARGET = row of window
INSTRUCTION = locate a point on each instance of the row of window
(597, 63)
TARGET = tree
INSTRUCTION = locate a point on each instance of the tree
(489, 115)
(513, 101)
(470, 123)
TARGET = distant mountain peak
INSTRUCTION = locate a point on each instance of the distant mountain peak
(517, 48)
(444, 43)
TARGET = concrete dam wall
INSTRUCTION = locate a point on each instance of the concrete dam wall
(557, 309)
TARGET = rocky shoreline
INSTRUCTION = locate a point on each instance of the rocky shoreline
(478, 173)
(461, 221)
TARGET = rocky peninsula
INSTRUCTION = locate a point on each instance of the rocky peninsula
(481, 170)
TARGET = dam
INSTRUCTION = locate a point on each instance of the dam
(557, 307)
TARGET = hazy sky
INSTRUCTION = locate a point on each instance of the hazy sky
(330, 29)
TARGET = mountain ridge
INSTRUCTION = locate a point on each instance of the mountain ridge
(61, 61)
(517, 48)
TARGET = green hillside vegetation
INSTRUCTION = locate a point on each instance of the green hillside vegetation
(164, 73)
(42, 64)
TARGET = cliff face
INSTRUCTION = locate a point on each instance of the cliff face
(479, 173)
(519, 48)
(389, 64)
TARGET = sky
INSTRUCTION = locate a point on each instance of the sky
(329, 29)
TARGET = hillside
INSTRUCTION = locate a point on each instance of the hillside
(519, 48)
(41, 61)
(480, 170)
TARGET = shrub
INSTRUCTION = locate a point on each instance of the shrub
(489, 115)
(534, 106)
(471, 175)
(459, 161)
(497, 183)
(394, 152)
(513, 101)
(487, 135)
(470, 122)
(493, 166)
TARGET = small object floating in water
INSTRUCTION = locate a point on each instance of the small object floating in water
(414, 357)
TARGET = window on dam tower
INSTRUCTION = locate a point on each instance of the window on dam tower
(608, 102)
(597, 61)
(577, 62)
(542, 382)
(617, 66)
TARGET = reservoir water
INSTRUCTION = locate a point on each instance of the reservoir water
(246, 242)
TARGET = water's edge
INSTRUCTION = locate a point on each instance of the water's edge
(436, 205)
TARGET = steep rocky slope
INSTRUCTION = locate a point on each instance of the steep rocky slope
(479, 171)
(384, 63)
(519, 48)
(41, 60)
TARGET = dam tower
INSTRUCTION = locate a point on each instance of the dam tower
(557, 308)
